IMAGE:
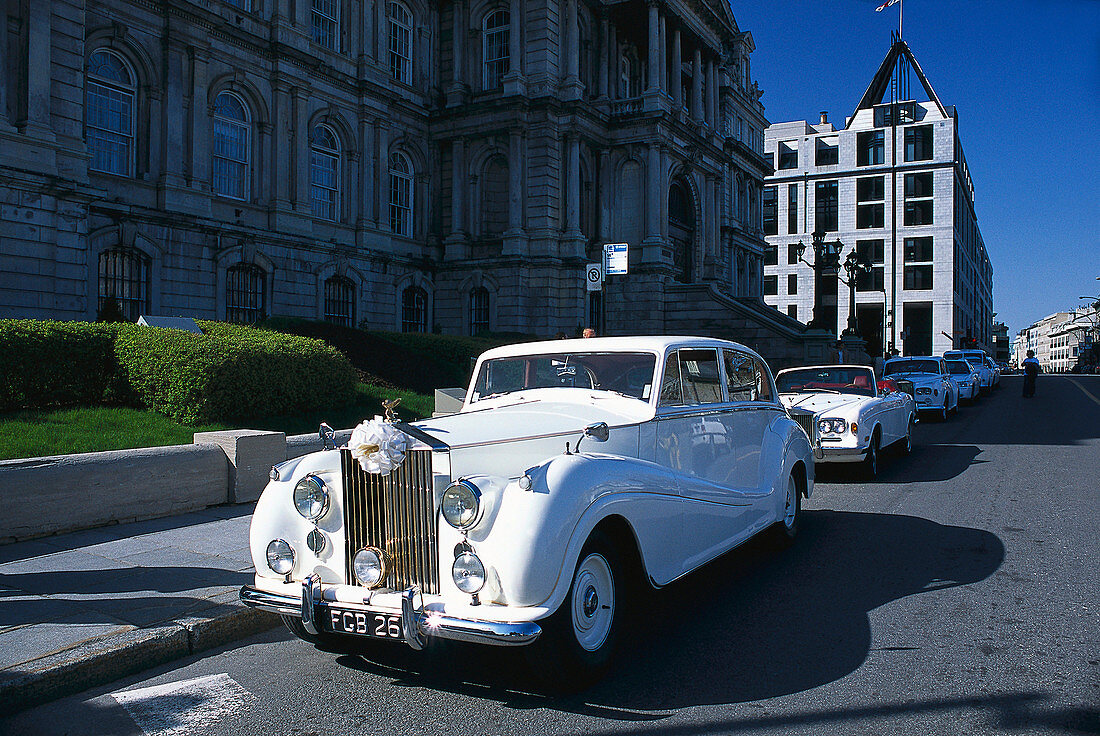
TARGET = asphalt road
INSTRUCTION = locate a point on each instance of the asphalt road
(958, 594)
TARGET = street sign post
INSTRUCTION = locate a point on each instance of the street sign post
(593, 276)
(615, 259)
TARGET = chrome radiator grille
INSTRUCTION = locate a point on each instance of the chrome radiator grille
(396, 514)
(806, 421)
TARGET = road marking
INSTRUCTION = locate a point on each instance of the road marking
(1087, 392)
(187, 707)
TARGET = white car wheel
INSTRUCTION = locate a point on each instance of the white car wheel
(907, 442)
(592, 602)
(786, 529)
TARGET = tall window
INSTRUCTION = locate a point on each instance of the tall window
(123, 284)
(401, 197)
(324, 172)
(792, 209)
(792, 254)
(792, 284)
(479, 310)
(918, 198)
(495, 35)
(870, 204)
(414, 310)
(825, 203)
(771, 255)
(109, 114)
(788, 155)
(232, 140)
(918, 143)
(870, 148)
(873, 252)
(770, 205)
(630, 70)
(918, 263)
(326, 23)
(771, 285)
(828, 151)
(245, 293)
(340, 301)
(400, 32)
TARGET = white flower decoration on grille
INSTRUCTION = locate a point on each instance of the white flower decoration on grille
(378, 446)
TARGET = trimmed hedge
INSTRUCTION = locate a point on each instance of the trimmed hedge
(47, 363)
(231, 372)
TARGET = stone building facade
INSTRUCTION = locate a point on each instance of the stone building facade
(892, 184)
(405, 165)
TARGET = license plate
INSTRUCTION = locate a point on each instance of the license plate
(363, 623)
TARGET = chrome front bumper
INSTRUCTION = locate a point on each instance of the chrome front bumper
(417, 624)
(826, 454)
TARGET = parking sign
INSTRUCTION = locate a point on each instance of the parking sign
(593, 276)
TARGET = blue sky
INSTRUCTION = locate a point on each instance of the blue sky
(1025, 79)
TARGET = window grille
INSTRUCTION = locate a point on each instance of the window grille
(245, 293)
(326, 23)
(123, 280)
(479, 310)
(495, 37)
(400, 25)
(414, 310)
(340, 301)
(401, 197)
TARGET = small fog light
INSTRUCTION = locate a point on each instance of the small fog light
(280, 556)
(369, 566)
(468, 573)
(316, 541)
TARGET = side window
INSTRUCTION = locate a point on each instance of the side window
(741, 378)
(671, 395)
(699, 376)
(762, 381)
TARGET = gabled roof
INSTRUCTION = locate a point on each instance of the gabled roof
(880, 83)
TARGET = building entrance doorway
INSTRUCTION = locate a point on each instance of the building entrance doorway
(871, 322)
(681, 230)
(918, 328)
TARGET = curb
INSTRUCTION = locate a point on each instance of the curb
(111, 658)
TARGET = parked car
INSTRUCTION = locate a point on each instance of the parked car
(846, 413)
(993, 366)
(932, 388)
(967, 378)
(574, 468)
(977, 359)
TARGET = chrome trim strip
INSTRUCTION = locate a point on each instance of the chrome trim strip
(568, 433)
(429, 625)
(437, 445)
(699, 410)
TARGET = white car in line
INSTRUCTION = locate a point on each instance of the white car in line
(976, 358)
(847, 414)
(574, 468)
(966, 377)
(933, 389)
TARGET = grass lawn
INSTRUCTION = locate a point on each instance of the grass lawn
(36, 433)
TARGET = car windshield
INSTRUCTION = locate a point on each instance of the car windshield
(859, 381)
(629, 374)
(958, 367)
(895, 367)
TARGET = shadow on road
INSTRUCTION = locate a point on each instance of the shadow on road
(750, 626)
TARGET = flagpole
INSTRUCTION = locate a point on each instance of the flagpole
(901, 15)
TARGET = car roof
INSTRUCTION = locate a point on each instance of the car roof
(915, 357)
(639, 343)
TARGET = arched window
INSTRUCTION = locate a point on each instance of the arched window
(401, 194)
(123, 284)
(232, 146)
(340, 301)
(630, 81)
(479, 310)
(414, 310)
(495, 39)
(109, 114)
(681, 230)
(400, 33)
(325, 18)
(245, 293)
(324, 172)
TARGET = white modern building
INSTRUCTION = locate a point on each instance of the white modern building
(1059, 339)
(893, 184)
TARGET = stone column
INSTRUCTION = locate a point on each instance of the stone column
(654, 71)
(201, 110)
(366, 34)
(663, 36)
(456, 92)
(5, 122)
(172, 159)
(710, 217)
(651, 251)
(697, 86)
(366, 182)
(262, 192)
(710, 96)
(613, 69)
(573, 186)
(40, 78)
(605, 195)
(675, 80)
(458, 190)
(300, 95)
(381, 34)
(571, 84)
(382, 175)
(604, 60)
(281, 116)
(515, 238)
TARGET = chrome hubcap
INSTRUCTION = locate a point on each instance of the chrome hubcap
(792, 503)
(591, 601)
(592, 606)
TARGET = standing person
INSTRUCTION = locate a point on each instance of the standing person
(1031, 370)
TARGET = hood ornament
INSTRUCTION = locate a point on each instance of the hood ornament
(388, 406)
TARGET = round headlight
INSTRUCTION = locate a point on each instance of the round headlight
(280, 556)
(468, 573)
(311, 497)
(461, 504)
(824, 425)
(840, 426)
(369, 566)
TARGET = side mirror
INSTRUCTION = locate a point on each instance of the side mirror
(598, 432)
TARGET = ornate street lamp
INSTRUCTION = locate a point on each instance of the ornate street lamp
(854, 268)
(826, 265)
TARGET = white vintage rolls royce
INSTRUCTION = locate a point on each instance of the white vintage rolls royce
(574, 469)
(847, 414)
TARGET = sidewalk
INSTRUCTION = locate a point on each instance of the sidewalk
(82, 609)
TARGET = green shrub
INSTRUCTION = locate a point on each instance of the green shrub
(232, 372)
(46, 363)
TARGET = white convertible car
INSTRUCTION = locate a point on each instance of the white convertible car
(848, 416)
(574, 469)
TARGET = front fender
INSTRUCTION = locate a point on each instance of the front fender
(537, 535)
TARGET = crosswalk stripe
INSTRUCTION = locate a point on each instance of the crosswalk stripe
(183, 708)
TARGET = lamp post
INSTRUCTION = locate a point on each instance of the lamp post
(826, 265)
(854, 268)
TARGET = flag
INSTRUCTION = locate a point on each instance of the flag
(885, 5)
